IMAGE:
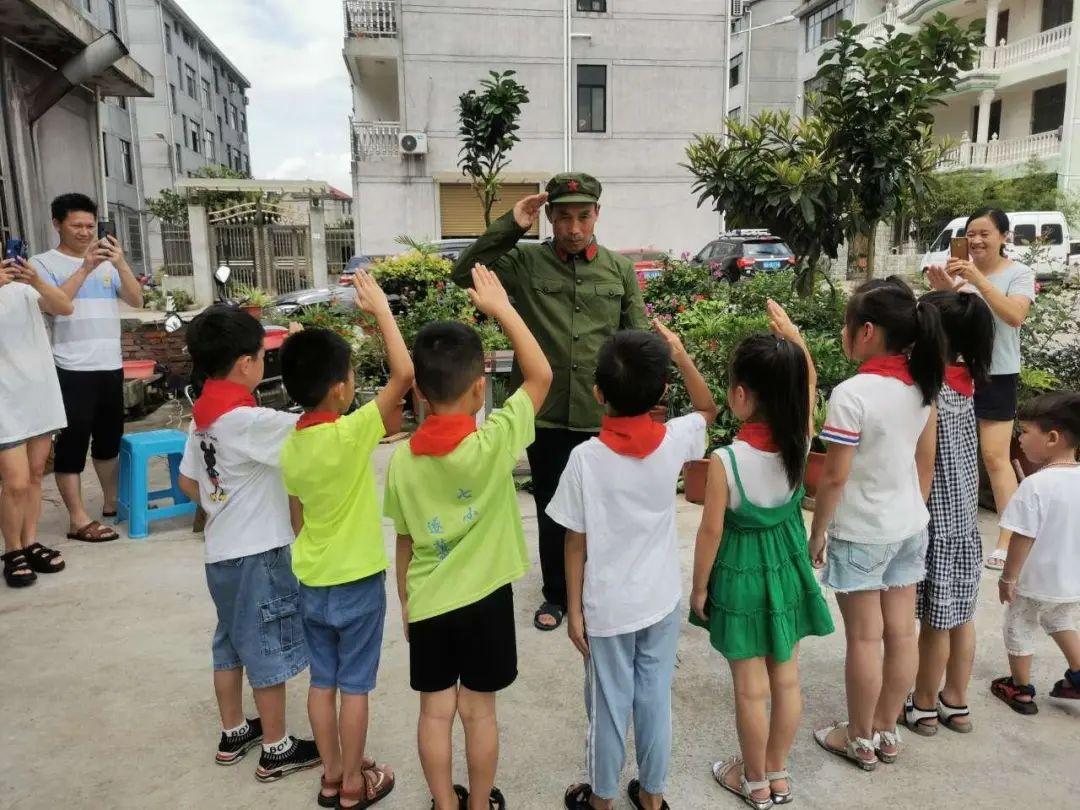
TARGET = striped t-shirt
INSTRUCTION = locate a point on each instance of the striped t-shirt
(89, 338)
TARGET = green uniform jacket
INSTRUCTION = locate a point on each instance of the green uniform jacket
(571, 306)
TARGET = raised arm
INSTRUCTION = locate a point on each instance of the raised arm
(781, 325)
(489, 296)
(1013, 309)
(130, 289)
(495, 248)
(52, 300)
(372, 300)
(701, 398)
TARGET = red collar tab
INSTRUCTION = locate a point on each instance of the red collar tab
(958, 378)
(635, 436)
(889, 365)
(759, 436)
(440, 434)
(588, 254)
(218, 397)
(313, 418)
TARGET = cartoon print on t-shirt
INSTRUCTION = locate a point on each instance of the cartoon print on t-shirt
(210, 459)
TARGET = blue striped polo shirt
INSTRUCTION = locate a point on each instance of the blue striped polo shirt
(89, 338)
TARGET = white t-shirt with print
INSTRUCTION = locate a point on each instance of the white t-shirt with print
(882, 418)
(236, 462)
(625, 507)
(762, 474)
(1047, 508)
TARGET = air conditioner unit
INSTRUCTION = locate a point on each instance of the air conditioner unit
(737, 8)
(413, 143)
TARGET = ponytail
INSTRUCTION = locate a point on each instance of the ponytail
(909, 328)
(968, 324)
(776, 372)
(927, 358)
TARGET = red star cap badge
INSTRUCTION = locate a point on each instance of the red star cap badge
(572, 185)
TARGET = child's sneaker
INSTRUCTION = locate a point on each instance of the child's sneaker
(1068, 687)
(302, 754)
(232, 747)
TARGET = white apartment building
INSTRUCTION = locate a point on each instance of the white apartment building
(1021, 100)
(617, 89)
(765, 52)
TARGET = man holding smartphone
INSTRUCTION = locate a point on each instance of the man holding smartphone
(91, 269)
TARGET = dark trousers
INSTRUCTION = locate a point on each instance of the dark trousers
(547, 458)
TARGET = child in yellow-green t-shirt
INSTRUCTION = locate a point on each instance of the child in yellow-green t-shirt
(338, 556)
(450, 493)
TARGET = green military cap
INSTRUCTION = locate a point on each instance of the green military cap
(573, 187)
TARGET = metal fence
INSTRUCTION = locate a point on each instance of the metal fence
(176, 246)
(275, 258)
(339, 249)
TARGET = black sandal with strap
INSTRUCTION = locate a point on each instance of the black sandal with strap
(548, 609)
(43, 560)
(1010, 692)
(577, 797)
(462, 798)
(17, 570)
(496, 801)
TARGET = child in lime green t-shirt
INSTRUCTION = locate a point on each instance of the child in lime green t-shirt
(338, 556)
(451, 495)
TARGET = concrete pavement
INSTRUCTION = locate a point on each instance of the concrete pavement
(108, 702)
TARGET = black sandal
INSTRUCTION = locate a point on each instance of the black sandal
(577, 797)
(42, 559)
(17, 571)
(496, 801)
(548, 609)
(633, 790)
(1005, 689)
(462, 798)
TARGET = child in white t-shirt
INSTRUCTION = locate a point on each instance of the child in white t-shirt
(870, 516)
(616, 499)
(230, 467)
(1041, 579)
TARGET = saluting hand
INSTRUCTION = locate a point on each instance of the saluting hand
(780, 323)
(369, 295)
(674, 342)
(527, 209)
(487, 292)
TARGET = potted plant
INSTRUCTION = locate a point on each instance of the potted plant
(253, 300)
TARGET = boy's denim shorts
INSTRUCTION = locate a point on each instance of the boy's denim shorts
(853, 566)
(344, 629)
(258, 608)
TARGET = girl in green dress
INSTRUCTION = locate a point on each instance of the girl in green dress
(754, 589)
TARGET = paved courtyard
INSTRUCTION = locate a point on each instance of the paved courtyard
(108, 702)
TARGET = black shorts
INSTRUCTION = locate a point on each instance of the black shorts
(94, 403)
(996, 400)
(474, 645)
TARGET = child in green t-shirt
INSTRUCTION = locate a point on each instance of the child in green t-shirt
(450, 493)
(339, 557)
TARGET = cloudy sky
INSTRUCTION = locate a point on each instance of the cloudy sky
(300, 101)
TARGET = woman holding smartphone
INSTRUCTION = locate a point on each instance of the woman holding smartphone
(1008, 287)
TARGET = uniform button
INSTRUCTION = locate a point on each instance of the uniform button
(576, 337)
(577, 308)
(574, 367)
(579, 281)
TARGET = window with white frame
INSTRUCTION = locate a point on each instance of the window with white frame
(592, 98)
(821, 26)
(127, 165)
(735, 70)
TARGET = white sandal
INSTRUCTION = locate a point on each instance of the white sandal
(947, 716)
(780, 797)
(891, 739)
(996, 560)
(852, 748)
(724, 767)
(913, 717)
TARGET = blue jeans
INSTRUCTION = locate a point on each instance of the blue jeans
(343, 625)
(258, 617)
(628, 673)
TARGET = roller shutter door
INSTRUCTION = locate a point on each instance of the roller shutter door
(462, 215)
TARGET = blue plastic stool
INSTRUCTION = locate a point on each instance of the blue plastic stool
(133, 503)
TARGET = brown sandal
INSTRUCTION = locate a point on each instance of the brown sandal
(94, 532)
(335, 784)
(372, 792)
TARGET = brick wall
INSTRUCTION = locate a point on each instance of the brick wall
(150, 341)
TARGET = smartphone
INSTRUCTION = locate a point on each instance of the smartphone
(14, 249)
(958, 248)
(106, 228)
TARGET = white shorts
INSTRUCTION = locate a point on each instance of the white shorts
(1023, 616)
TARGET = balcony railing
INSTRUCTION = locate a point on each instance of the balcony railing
(875, 26)
(1002, 152)
(1048, 43)
(374, 140)
(370, 18)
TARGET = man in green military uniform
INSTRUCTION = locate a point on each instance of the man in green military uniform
(573, 294)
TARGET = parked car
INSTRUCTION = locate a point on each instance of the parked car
(1050, 227)
(744, 252)
(354, 264)
(299, 301)
(648, 263)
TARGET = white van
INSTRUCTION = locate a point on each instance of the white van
(1061, 254)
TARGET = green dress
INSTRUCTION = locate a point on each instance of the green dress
(763, 596)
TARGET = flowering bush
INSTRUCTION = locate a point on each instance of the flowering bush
(679, 286)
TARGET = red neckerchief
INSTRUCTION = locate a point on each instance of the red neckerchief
(889, 365)
(313, 418)
(218, 397)
(440, 434)
(589, 253)
(759, 436)
(635, 436)
(958, 378)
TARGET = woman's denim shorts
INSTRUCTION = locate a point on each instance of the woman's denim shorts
(853, 566)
